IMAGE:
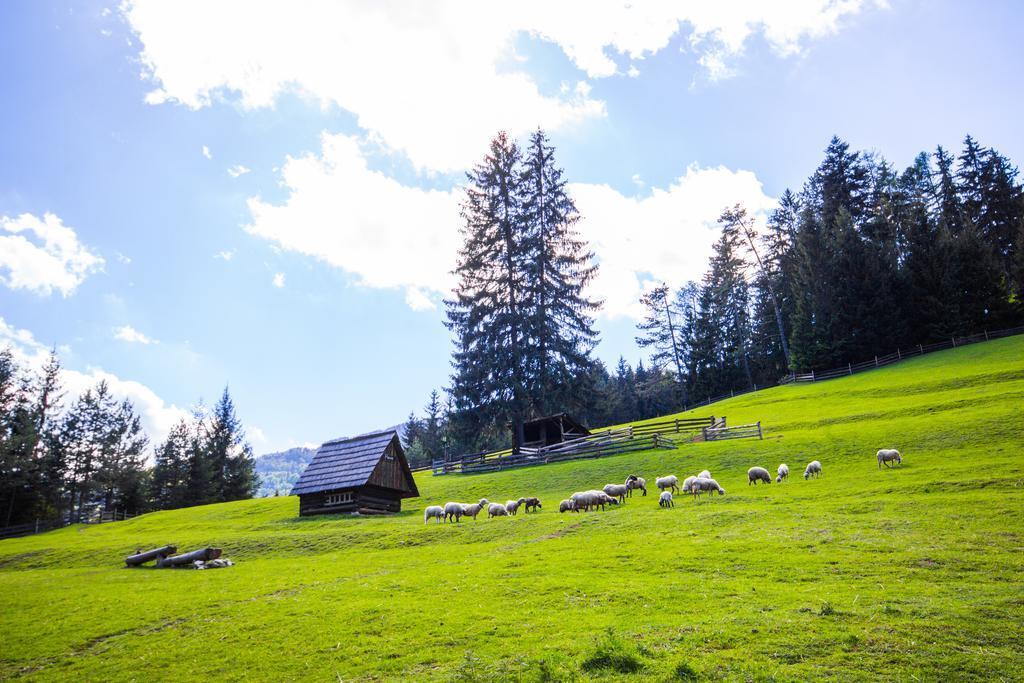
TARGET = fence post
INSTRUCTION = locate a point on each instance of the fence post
(812, 375)
(876, 361)
(986, 335)
(898, 356)
(677, 425)
(37, 525)
(920, 349)
(655, 439)
(954, 342)
(732, 393)
(760, 435)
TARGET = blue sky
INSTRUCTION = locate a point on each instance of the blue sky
(201, 194)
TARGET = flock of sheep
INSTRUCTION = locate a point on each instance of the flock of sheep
(616, 494)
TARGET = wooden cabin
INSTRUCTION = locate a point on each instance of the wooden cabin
(367, 474)
(547, 431)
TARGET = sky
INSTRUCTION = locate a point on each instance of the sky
(265, 196)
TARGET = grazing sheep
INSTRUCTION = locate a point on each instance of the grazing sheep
(669, 482)
(435, 511)
(532, 504)
(704, 474)
(582, 500)
(474, 509)
(665, 500)
(687, 483)
(606, 499)
(513, 505)
(592, 498)
(813, 470)
(635, 482)
(617, 491)
(496, 510)
(783, 473)
(888, 455)
(700, 485)
(567, 506)
(756, 474)
(452, 511)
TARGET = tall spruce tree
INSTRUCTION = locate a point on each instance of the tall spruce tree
(230, 456)
(660, 332)
(559, 328)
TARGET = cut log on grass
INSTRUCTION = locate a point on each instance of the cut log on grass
(156, 554)
(187, 559)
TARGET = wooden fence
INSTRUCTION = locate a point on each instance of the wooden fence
(628, 439)
(722, 433)
(41, 525)
(897, 356)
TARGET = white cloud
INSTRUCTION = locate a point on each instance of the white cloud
(258, 435)
(278, 280)
(238, 170)
(129, 334)
(206, 152)
(633, 72)
(436, 81)
(664, 236)
(388, 234)
(43, 254)
(122, 259)
(226, 255)
(391, 235)
(157, 416)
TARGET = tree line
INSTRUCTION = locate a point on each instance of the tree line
(863, 260)
(68, 458)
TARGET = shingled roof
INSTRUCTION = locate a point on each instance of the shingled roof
(348, 463)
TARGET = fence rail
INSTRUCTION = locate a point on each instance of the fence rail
(897, 356)
(41, 525)
(738, 432)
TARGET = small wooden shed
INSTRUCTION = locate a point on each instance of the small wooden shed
(547, 431)
(367, 474)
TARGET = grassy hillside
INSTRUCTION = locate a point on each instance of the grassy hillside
(906, 574)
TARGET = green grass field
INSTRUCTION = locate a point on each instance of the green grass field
(906, 574)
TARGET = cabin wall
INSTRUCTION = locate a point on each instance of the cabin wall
(389, 473)
(370, 498)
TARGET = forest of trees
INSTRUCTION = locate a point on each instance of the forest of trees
(65, 459)
(863, 260)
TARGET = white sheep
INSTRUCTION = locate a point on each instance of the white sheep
(669, 482)
(592, 498)
(756, 474)
(513, 505)
(435, 511)
(665, 500)
(567, 506)
(688, 483)
(496, 510)
(617, 491)
(606, 499)
(635, 482)
(888, 455)
(704, 474)
(783, 473)
(452, 511)
(531, 503)
(813, 470)
(700, 485)
(474, 509)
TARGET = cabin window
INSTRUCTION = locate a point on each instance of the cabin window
(339, 498)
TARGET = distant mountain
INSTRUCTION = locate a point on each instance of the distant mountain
(279, 471)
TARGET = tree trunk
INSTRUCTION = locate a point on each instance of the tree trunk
(186, 559)
(156, 554)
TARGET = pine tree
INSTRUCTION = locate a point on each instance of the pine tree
(486, 313)
(559, 327)
(169, 485)
(229, 456)
(431, 434)
(660, 328)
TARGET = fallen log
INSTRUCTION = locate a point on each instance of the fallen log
(186, 559)
(155, 554)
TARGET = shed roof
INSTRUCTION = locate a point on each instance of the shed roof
(345, 463)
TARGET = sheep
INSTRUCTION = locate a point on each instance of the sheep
(532, 504)
(756, 474)
(513, 505)
(474, 509)
(435, 511)
(635, 482)
(813, 470)
(606, 499)
(665, 500)
(888, 455)
(669, 482)
(567, 506)
(452, 511)
(592, 498)
(687, 483)
(700, 485)
(704, 474)
(496, 510)
(783, 473)
(617, 491)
